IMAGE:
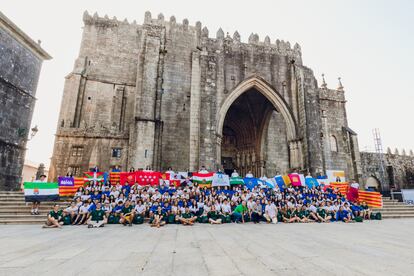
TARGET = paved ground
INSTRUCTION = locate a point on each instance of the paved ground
(371, 248)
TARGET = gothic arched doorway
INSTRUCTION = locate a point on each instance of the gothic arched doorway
(243, 129)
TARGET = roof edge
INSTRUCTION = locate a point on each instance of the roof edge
(22, 37)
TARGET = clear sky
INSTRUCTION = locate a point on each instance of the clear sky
(368, 43)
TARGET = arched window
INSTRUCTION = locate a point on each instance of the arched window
(334, 143)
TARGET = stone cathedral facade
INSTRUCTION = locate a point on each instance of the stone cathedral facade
(170, 94)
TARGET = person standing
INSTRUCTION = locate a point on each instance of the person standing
(36, 203)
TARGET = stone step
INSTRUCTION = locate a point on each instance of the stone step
(395, 210)
(11, 193)
(397, 206)
(23, 221)
(396, 213)
(22, 203)
(22, 212)
(23, 216)
(393, 216)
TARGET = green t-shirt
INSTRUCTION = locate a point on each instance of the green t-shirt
(187, 215)
(240, 209)
(97, 215)
(321, 212)
(288, 214)
(127, 210)
(55, 215)
(213, 215)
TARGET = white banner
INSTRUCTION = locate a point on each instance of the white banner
(220, 179)
(335, 176)
(408, 196)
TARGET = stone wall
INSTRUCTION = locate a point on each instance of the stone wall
(20, 64)
(163, 87)
(398, 169)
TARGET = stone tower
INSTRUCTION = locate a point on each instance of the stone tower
(167, 94)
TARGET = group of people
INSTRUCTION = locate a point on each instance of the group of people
(97, 204)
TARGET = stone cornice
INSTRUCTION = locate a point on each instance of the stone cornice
(23, 38)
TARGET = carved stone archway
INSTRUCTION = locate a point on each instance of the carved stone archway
(260, 85)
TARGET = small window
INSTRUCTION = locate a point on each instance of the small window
(74, 170)
(334, 143)
(77, 151)
(117, 152)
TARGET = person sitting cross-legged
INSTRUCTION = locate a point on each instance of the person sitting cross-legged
(83, 214)
(187, 218)
(343, 215)
(127, 214)
(322, 215)
(214, 216)
(98, 217)
(366, 211)
(157, 220)
(54, 218)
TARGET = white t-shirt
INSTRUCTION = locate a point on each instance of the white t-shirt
(312, 209)
(226, 208)
(271, 210)
(84, 209)
(140, 209)
(71, 209)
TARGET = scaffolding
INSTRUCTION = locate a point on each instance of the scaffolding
(380, 154)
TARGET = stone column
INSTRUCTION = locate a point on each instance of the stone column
(195, 103)
(143, 137)
(293, 154)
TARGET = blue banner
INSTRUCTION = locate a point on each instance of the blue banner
(250, 182)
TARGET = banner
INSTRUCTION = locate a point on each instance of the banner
(295, 179)
(311, 182)
(203, 178)
(286, 179)
(373, 199)
(280, 182)
(266, 182)
(237, 180)
(147, 177)
(94, 177)
(341, 186)
(41, 191)
(171, 179)
(69, 190)
(408, 195)
(66, 181)
(114, 177)
(335, 176)
(220, 179)
(250, 182)
(127, 178)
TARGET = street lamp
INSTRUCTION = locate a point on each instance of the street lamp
(33, 133)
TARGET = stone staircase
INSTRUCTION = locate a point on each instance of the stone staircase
(395, 209)
(14, 210)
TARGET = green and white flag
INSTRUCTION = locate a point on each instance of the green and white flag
(236, 180)
(41, 191)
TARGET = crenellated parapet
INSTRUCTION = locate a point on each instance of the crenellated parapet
(280, 47)
(105, 21)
